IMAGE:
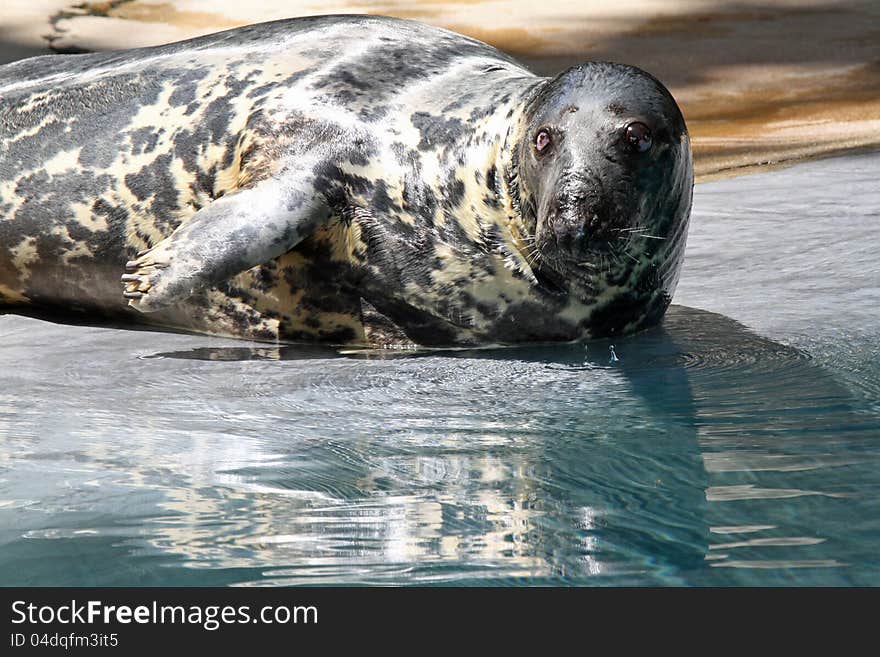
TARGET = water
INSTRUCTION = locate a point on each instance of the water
(737, 444)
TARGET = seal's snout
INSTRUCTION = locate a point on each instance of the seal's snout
(588, 218)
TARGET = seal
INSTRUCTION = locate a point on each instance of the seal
(351, 180)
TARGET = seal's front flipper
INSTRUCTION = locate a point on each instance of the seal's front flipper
(234, 233)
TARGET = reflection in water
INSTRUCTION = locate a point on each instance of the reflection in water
(546, 463)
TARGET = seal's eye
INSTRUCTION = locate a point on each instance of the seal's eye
(638, 136)
(543, 141)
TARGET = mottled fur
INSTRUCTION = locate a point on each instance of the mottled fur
(353, 180)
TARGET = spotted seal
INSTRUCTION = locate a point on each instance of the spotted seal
(344, 179)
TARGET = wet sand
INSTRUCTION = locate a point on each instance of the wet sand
(761, 84)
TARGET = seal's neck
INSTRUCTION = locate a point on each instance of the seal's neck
(480, 180)
(517, 217)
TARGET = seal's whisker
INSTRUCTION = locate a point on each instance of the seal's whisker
(534, 257)
(614, 254)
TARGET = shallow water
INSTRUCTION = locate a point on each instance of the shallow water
(737, 444)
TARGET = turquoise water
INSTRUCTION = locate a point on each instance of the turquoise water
(737, 444)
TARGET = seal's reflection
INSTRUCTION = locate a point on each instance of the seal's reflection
(601, 486)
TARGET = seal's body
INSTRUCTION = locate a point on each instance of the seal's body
(352, 180)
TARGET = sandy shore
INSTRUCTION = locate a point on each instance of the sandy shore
(760, 84)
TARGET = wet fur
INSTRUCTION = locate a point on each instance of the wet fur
(412, 140)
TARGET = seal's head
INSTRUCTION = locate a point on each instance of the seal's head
(604, 174)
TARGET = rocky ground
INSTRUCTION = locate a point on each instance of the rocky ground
(761, 84)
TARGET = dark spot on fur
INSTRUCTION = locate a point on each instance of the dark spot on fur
(453, 191)
(154, 181)
(144, 140)
(437, 131)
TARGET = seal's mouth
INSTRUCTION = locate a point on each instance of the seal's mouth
(550, 280)
(593, 265)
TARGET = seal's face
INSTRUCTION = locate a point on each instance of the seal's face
(606, 177)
